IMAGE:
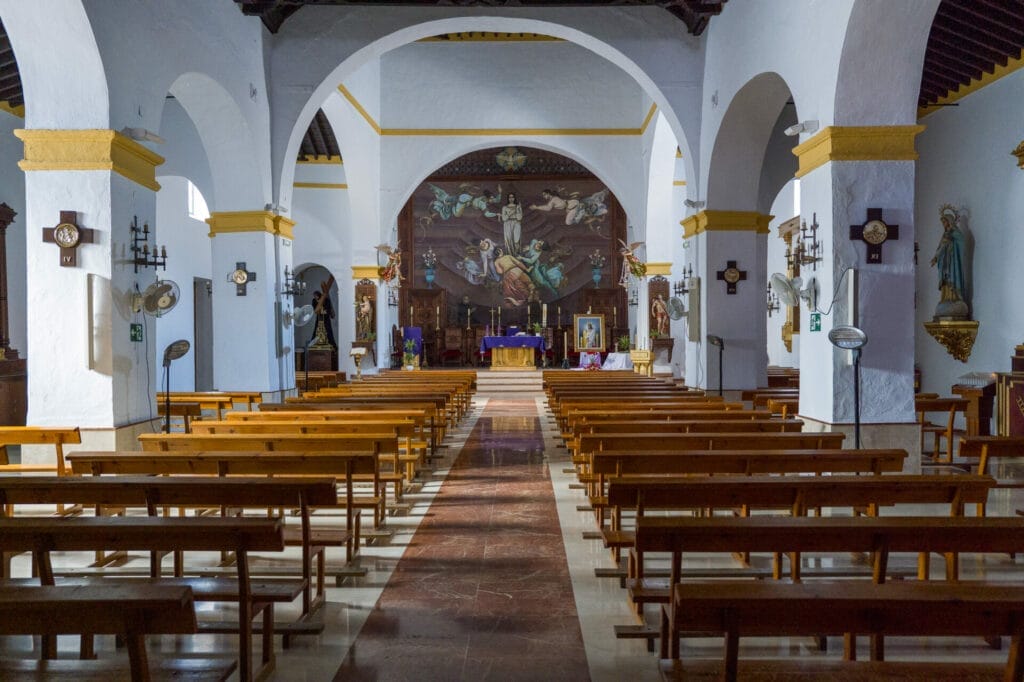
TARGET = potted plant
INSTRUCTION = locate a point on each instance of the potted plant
(409, 355)
(622, 343)
(536, 328)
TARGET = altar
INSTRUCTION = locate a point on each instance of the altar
(512, 352)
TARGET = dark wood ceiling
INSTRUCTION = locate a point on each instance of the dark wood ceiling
(319, 140)
(969, 38)
(10, 80)
(694, 13)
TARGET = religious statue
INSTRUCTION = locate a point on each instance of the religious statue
(323, 333)
(659, 309)
(948, 260)
(364, 318)
(391, 272)
(632, 266)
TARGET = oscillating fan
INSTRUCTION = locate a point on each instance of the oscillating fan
(300, 317)
(790, 293)
(676, 308)
(159, 298)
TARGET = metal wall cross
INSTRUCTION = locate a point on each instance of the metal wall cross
(874, 232)
(241, 277)
(731, 275)
(68, 235)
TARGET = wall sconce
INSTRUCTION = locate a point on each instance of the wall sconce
(697, 205)
(802, 127)
(141, 255)
(292, 286)
(773, 301)
(633, 298)
(679, 288)
(392, 298)
(808, 249)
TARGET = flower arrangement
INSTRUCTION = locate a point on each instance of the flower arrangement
(429, 258)
(622, 343)
(596, 259)
(409, 356)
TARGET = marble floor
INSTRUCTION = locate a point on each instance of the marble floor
(488, 577)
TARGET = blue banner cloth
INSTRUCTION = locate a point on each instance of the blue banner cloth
(416, 334)
(489, 342)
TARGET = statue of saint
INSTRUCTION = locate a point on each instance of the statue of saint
(948, 260)
(364, 318)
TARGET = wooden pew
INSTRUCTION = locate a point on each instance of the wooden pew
(188, 412)
(783, 407)
(433, 421)
(57, 436)
(44, 535)
(985, 449)
(129, 611)
(377, 444)
(443, 416)
(215, 402)
(742, 609)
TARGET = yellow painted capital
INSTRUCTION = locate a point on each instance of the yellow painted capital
(250, 221)
(659, 269)
(18, 111)
(365, 272)
(725, 221)
(47, 150)
(857, 143)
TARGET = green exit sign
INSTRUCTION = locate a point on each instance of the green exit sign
(136, 333)
(815, 322)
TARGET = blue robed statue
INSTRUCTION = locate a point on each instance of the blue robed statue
(948, 260)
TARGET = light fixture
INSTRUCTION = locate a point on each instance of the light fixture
(292, 286)
(717, 341)
(808, 249)
(142, 135)
(802, 127)
(690, 203)
(173, 351)
(772, 302)
(141, 255)
(852, 339)
(633, 299)
(679, 288)
(275, 208)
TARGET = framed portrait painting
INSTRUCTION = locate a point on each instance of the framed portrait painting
(589, 330)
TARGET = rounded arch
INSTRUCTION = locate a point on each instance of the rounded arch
(888, 38)
(414, 32)
(737, 157)
(239, 184)
(53, 78)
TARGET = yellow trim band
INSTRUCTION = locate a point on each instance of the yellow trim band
(18, 111)
(998, 72)
(679, 183)
(47, 150)
(659, 268)
(490, 132)
(725, 221)
(857, 143)
(250, 221)
(365, 272)
(320, 185)
(321, 158)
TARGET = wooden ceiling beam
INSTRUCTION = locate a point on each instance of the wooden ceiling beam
(972, 16)
(1009, 12)
(939, 77)
(981, 32)
(963, 71)
(318, 138)
(975, 45)
(952, 48)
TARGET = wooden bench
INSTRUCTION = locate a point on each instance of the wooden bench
(187, 412)
(743, 609)
(985, 449)
(129, 611)
(57, 436)
(214, 402)
(949, 407)
(44, 535)
(783, 407)
(422, 418)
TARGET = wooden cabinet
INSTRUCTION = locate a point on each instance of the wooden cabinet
(13, 393)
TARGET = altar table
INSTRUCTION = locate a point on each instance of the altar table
(512, 351)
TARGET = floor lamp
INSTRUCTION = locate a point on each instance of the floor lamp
(853, 339)
(717, 341)
(171, 353)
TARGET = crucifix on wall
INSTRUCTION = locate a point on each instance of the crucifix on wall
(874, 232)
(68, 235)
(731, 275)
(241, 277)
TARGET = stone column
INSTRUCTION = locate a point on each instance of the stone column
(844, 171)
(249, 340)
(719, 238)
(85, 370)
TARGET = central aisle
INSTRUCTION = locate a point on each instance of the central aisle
(483, 591)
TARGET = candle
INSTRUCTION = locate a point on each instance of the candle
(565, 344)
(499, 320)
(559, 316)
(410, 316)
(615, 316)
(544, 315)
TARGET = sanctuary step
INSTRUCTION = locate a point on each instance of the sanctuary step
(502, 383)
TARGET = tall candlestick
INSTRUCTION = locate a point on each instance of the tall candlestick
(437, 318)
(410, 316)
(492, 318)
(559, 316)
(565, 344)
(499, 320)
(527, 315)
(544, 314)
(615, 316)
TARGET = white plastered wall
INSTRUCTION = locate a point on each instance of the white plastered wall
(965, 161)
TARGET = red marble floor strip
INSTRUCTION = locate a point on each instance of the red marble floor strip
(483, 591)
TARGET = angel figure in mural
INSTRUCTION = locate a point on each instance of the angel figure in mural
(447, 206)
(391, 272)
(590, 210)
(512, 222)
(544, 276)
(632, 266)
(488, 252)
(470, 269)
(948, 260)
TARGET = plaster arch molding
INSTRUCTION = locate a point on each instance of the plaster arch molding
(66, 88)
(734, 170)
(409, 34)
(241, 182)
(452, 148)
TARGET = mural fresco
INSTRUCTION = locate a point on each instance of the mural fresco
(512, 242)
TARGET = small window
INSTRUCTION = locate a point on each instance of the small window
(197, 208)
